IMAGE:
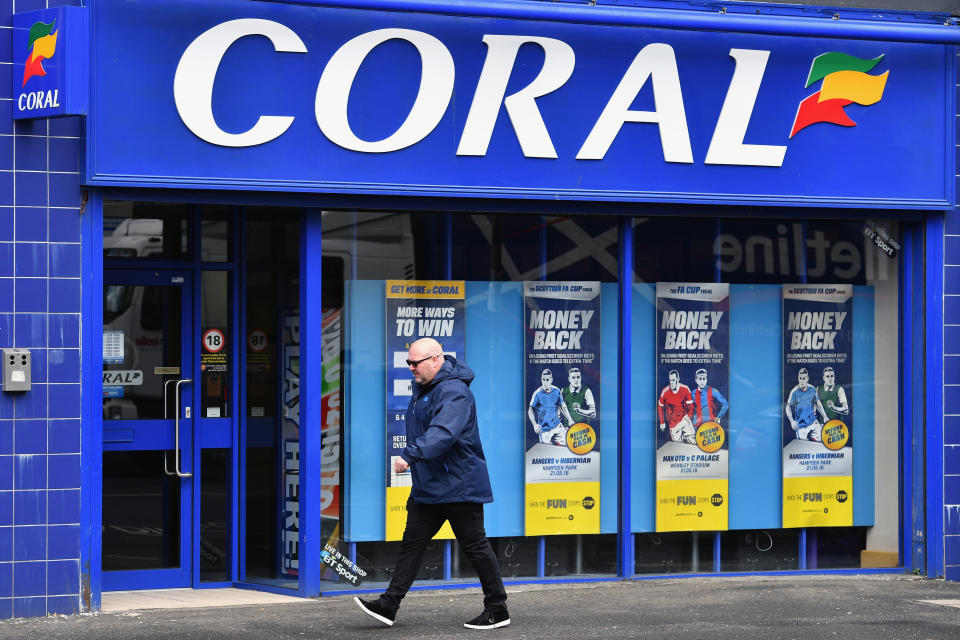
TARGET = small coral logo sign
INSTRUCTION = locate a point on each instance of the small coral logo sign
(845, 80)
(42, 45)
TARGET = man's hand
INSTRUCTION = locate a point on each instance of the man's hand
(536, 428)
(662, 426)
(400, 465)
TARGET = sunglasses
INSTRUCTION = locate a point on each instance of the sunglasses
(415, 363)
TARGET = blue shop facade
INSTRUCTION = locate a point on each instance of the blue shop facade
(209, 209)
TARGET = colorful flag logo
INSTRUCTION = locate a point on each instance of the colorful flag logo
(42, 45)
(845, 80)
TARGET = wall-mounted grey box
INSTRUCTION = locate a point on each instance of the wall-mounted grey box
(16, 370)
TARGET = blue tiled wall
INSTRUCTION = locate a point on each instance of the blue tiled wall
(951, 388)
(39, 309)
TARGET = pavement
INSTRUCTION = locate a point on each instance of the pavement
(847, 607)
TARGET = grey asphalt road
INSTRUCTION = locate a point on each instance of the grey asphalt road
(871, 607)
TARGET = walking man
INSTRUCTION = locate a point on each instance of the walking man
(450, 482)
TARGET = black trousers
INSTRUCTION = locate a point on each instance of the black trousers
(466, 520)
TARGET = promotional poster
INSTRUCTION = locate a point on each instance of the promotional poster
(415, 309)
(562, 388)
(693, 374)
(817, 410)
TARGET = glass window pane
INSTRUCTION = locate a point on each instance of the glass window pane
(215, 344)
(214, 515)
(215, 233)
(146, 230)
(272, 291)
(142, 335)
(141, 511)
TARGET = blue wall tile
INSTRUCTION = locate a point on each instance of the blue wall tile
(63, 506)
(65, 190)
(29, 472)
(6, 579)
(6, 187)
(951, 250)
(6, 474)
(65, 260)
(6, 79)
(64, 436)
(31, 330)
(6, 544)
(30, 258)
(6, 607)
(951, 370)
(951, 339)
(64, 295)
(31, 153)
(29, 579)
(6, 294)
(64, 331)
(29, 543)
(951, 280)
(951, 460)
(31, 191)
(30, 294)
(951, 309)
(6, 259)
(65, 154)
(6, 150)
(31, 224)
(951, 550)
(63, 542)
(64, 471)
(63, 577)
(30, 436)
(63, 365)
(29, 507)
(951, 430)
(6, 437)
(951, 402)
(6, 329)
(65, 225)
(6, 508)
(32, 403)
(64, 400)
(29, 607)
(951, 490)
(6, 118)
(63, 605)
(71, 126)
(7, 215)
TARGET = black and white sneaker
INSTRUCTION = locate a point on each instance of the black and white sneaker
(489, 620)
(375, 610)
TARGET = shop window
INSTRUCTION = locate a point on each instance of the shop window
(493, 254)
(766, 375)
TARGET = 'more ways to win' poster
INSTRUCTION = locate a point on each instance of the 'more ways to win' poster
(693, 362)
(818, 396)
(415, 309)
(562, 413)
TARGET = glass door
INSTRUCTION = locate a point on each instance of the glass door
(148, 454)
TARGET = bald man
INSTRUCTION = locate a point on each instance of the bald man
(450, 482)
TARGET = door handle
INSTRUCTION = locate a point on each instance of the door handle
(176, 422)
(166, 467)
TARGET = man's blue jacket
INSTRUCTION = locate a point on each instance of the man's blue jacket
(443, 441)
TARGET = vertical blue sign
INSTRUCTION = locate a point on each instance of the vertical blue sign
(50, 62)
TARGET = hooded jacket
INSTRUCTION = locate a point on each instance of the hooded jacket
(443, 440)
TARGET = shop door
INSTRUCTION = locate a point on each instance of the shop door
(149, 466)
